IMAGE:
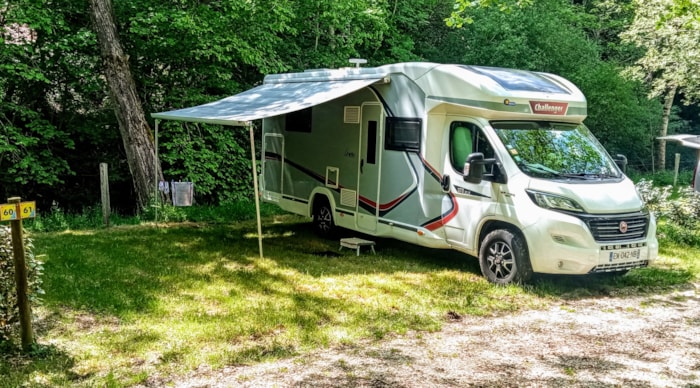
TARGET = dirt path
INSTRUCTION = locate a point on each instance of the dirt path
(641, 341)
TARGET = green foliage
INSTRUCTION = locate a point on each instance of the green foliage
(678, 211)
(216, 159)
(57, 123)
(29, 142)
(225, 213)
(556, 37)
(620, 114)
(90, 217)
(667, 62)
(461, 14)
(9, 311)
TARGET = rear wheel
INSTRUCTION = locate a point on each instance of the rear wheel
(504, 258)
(324, 225)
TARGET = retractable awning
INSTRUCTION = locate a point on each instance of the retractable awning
(273, 98)
(267, 100)
(687, 140)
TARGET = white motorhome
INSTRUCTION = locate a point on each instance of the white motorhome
(493, 162)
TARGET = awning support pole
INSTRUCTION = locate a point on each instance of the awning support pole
(156, 198)
(255, 187)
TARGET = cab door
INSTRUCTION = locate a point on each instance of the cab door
(475, 200)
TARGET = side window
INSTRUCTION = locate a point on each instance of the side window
(466, 138)
(461, 143)
(403, 134)
(299, 121)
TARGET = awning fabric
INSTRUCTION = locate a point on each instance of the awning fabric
(267, 100)
(687, 140)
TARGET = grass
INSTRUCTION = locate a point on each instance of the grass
(128, 304)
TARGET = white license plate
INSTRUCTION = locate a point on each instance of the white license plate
(628, 254)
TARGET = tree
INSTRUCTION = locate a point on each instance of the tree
(671, 59)
(463, 9)
(135, 131)
(31, 145)
(558, 37)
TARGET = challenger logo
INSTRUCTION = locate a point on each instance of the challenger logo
(549, 108)
(623, 227)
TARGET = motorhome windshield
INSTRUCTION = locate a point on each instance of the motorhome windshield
(556, 150)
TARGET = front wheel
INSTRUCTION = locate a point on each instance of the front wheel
(504, 259)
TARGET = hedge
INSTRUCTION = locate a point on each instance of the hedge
(9, 311)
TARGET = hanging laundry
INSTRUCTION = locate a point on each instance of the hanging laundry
(183, 193)
(164, 186)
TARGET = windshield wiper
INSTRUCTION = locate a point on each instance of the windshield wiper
(590, 176)
(546, 171)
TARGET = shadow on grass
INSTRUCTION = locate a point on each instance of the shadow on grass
(122, 270)
(49, 365)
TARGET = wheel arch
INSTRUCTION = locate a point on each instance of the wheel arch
(318, 197)
(491, 225)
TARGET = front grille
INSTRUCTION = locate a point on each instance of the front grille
(607, 229)
(619, 266)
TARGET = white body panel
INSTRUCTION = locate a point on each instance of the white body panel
(344, 150)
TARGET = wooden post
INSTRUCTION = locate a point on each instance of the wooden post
(676, 167)
(25, 313)
(104, 189)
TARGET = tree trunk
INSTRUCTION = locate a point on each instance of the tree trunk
(135, 131)
(668, 104)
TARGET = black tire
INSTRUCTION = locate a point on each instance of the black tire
(504, 258)
(324, 225)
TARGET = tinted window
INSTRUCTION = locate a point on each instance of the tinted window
(299, 121)
(403, 134)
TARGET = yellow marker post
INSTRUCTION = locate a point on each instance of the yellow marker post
(15, 211)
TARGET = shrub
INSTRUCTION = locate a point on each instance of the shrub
(9, 311)
(679, 211)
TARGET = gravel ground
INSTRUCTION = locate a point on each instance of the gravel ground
(621, 341)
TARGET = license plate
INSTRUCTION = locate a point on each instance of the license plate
(629, 254)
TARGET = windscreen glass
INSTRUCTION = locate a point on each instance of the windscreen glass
(556, 150)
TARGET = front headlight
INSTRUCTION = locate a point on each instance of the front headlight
(554, 202)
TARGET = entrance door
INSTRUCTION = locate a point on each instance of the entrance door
(368, 180)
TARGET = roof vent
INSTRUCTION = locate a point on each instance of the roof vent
(357, 61)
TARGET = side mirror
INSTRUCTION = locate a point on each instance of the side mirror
(473, 168)
(621, 161)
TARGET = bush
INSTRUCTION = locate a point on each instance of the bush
(9, 311)
(679, 211)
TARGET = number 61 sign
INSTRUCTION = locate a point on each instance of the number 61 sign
(13, 211)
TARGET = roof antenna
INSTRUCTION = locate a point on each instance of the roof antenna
(358, 61)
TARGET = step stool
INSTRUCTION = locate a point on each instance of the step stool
(356, 243)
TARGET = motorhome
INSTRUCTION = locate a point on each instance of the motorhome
(492, 162)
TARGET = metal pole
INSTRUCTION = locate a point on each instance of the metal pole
(156, 198)
(255, 187)
(25, 312)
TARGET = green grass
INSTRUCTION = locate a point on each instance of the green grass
(136, 302)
